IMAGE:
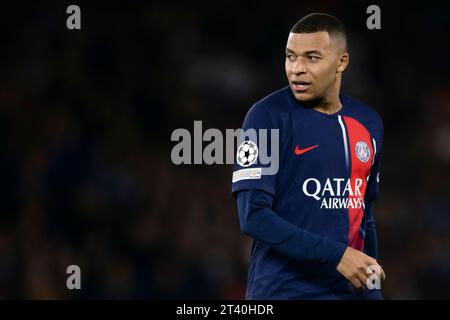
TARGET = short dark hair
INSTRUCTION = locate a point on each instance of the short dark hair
(316, 22)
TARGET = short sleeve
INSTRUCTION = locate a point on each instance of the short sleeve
(252, 168)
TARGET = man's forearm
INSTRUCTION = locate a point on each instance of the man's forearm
(259, 221)
(370, 240)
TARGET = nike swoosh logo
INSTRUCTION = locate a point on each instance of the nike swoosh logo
(299, 151)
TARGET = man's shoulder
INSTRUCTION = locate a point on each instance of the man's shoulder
(269, 109)
(277, 101)
(362, 111)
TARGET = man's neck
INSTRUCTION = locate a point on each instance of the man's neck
(325, 105)
(331, 103)
(329, 107)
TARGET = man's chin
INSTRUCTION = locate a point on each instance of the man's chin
(307, 99)
(303, 96)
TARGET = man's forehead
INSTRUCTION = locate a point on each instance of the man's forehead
(309, 41)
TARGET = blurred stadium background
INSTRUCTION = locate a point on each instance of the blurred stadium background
(86, 118)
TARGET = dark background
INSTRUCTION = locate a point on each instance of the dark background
(86, 118)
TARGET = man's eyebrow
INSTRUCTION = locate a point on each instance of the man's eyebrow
(314, 51)
(306, 52)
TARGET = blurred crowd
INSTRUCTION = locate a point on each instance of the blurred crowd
(86, 119)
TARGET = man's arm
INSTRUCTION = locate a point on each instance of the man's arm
(372, 191)
(370, 240)
(258, 220)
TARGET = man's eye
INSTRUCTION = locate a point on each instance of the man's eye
(313, 58)
(290, 56)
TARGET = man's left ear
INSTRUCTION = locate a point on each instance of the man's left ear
(343, 62)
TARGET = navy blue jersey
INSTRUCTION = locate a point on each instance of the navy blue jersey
(328, 172)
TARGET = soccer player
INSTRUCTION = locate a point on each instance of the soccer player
(312, 222)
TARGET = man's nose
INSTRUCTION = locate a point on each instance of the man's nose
(299, 67)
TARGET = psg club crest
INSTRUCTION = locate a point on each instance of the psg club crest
(362, 151)
(247, 153)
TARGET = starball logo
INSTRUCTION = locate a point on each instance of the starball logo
(335, 193)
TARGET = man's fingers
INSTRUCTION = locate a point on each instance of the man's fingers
(381, 272)
(356, 282)
(376, 269)
(362, 277)
(383, 275)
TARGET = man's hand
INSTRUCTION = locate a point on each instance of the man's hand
(354, 264)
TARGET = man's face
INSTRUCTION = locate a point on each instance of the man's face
(313, 62)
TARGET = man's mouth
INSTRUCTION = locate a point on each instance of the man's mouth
(300, 85)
